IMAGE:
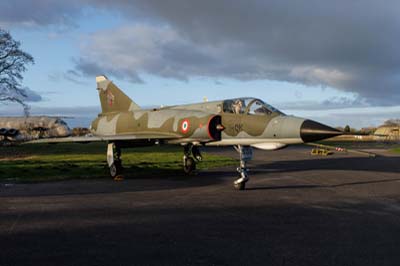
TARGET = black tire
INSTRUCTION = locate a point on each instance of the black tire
(115, 169)
(189, 166)
(240, 186)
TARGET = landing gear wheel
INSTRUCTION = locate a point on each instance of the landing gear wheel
(115, 169)
(189, 165)
(240, 183)
(114, 161)
(246, 154)
(240, 186)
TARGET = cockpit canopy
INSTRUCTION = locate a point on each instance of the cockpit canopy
(250, 106)
(60, 123)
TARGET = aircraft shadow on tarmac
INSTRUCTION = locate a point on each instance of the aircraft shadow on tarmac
(324, 186)
(108, 186)
(378, 164)
(259, 169)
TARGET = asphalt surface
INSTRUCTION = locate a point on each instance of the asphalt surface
(297, 210)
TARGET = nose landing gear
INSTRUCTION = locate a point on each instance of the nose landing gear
(246, 154)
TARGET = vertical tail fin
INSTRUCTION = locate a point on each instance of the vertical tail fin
(112, 99)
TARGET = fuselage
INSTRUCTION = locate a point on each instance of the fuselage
(246, 121)
(250, 121)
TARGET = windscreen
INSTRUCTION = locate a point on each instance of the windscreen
(250, 106)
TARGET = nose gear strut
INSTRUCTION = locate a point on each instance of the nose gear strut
(246, 154)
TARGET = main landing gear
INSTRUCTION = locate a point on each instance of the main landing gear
(246, 154)
(191, 155)
(114, 161)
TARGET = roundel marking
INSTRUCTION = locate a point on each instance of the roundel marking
(185, 126)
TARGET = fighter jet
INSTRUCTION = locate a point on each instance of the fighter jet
(20, 129)
(244, 123)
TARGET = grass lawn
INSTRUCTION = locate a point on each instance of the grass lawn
(44, 162)
(396, 150)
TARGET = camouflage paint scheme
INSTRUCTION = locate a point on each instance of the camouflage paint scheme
(271, 130)
(241, 121)
(121, 116)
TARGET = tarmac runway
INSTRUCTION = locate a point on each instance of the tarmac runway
(297, 210)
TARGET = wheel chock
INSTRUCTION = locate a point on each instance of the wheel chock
(119, 178)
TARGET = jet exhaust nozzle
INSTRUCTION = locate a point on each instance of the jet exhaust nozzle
(313, 131)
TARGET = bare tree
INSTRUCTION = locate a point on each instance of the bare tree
(392, 122)
(12, 64)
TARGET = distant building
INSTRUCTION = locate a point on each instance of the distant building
(388, 133)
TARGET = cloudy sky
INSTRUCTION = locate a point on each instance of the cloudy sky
(333, 61)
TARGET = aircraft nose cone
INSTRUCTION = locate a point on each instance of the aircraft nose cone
(313, 131)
